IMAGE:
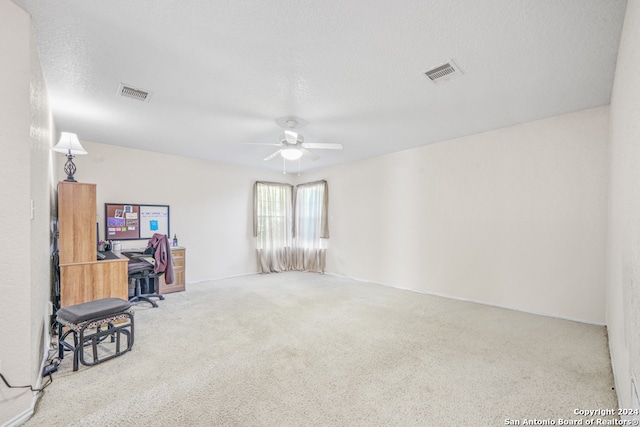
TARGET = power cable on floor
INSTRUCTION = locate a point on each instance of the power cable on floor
(4, 380)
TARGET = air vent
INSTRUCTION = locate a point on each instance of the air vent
(443, 72)
(132, 92)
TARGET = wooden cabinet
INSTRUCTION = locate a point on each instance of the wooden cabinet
(77, 222)
(82, 277)
(179, 280)
(89, 281)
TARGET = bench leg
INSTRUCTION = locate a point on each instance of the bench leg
(114, 332)
(76, 351)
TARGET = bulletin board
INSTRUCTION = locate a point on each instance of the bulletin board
(135, 222)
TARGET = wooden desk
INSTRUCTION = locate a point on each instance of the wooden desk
(92, 280)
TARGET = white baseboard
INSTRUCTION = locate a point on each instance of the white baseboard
(24, 416)
(438, 294)
(222, 278)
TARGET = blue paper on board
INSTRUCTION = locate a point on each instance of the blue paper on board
(153, 225)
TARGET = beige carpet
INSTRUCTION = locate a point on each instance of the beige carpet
(302, 349)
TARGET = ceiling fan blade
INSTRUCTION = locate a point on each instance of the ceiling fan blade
(308, 153)
(262, 143)
(322, 145)
(271, 156)
(291, 136)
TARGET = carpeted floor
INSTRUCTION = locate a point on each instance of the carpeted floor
(302, 349)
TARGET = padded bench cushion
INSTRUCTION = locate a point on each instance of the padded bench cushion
(93, 309)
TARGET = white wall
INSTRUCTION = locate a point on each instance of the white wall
(514, 217)
(210, 203)
(42, 194)
(623, 291)
(26, 175)
(15, 309)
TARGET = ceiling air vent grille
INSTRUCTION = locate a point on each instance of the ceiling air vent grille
(132, 92)
(443, 72)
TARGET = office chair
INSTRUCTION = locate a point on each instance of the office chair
(147, 291)
(141, 270)
(146, 281)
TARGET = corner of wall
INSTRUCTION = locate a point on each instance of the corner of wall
(623, 251)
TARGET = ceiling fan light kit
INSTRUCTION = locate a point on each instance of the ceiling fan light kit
(291, 153)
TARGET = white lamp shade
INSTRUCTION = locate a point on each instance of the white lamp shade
(291, 153)
(69, 144)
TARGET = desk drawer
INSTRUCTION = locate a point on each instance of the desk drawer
(177, 252)
(179, 282)
(178, 261)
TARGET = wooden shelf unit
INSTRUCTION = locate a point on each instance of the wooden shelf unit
(77, 222)
(82, 277)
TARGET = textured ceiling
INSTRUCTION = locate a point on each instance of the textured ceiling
(222, 72)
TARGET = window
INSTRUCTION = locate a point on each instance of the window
(288, 238)
(311, 215)
(273, 215)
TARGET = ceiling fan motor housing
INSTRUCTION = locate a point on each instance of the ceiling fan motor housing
(292, 137)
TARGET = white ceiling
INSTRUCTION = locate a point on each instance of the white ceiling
(222, 72)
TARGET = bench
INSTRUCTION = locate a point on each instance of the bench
(85, 323)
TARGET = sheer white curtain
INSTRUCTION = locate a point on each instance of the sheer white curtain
(310, 226)
(273, 225)
(290, 234)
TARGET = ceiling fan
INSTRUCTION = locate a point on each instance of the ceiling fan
(292, 145)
